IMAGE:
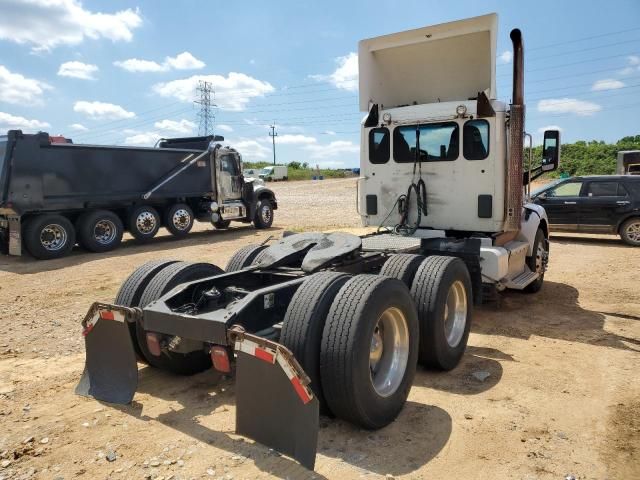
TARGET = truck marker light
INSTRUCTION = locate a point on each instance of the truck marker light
(220, 359)
(153, 344)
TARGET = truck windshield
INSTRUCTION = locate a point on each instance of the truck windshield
(266, 171)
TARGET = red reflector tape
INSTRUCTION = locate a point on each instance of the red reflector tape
(300, 390)
(87, 329)
(262, 354)
(106, 315)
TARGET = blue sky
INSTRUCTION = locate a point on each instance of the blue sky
(121, 72)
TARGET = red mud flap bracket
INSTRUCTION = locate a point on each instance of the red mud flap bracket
(110, 371)
(274, 404)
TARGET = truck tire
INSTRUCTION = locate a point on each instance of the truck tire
(369, 350)
(49, 236)
(536, 262)
(304, 322)
(131, 291)
(144, 222)
(244, 257)
(442, 293)
(264, 214)
(222, 224)
(179, 219)
(402, 266)
(166, 279)
(99, 231)
(630, 232)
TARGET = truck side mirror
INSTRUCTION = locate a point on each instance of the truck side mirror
(551, 150)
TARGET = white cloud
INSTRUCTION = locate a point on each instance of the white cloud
(345, 75)
(18, 89)
(182, 61)
(633, 65)
(288, 139)
(224, 128)
(137, 65)
(144, 139)
(46, 24)
(233, 92)
(13, 122)
(251, 149)
(76, 69)
(335, 148)
(78, 127)
(329, 132)
(568, 105)
(506, 56)
(102, 110)
(183, 126)
(607, 84)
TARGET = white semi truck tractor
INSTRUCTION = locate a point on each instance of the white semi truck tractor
(338, 323)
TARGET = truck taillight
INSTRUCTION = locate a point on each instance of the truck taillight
(220, 359)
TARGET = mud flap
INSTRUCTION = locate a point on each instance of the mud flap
(274, 404)
(111, 370)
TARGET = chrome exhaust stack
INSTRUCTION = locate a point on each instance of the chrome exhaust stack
(515, 168)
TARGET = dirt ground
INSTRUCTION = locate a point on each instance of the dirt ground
(562, 397)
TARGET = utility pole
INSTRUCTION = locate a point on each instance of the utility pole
(273, 136)
(206, 116)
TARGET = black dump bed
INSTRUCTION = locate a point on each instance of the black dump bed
(38, 174)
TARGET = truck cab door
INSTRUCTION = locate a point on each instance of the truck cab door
(229, 176)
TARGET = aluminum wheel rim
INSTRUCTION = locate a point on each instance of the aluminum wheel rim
(53, 237)
(541, 258)
(389, 351)
(105, 232)
(181, 219)
(455, 313)
(146, 222)
(633, 231)
(265, 213)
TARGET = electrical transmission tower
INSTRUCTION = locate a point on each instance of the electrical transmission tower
(273, 134)
(206, 114)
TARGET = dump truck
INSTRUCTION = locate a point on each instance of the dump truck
(336, 323)
(628, 162)
(54, 193)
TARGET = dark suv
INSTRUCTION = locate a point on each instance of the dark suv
(598, 204)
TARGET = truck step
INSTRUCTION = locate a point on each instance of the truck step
(520, 281)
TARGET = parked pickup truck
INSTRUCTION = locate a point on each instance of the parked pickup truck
(54, 193)
(594, 204)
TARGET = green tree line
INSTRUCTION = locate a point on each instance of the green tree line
(593, 157)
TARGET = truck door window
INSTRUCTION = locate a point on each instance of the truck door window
(569, 189)
(438, 142)
(379, 145)
(475, 140)
(605, 189)
(228, 164)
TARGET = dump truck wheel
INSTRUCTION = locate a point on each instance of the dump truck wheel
(442, 292)
(100, 230)
(222, 224)
(537, 261)
(131, 291)
(49, 236)
(402, 266)
(369, 350)
(144, 222)
(264, 214)
(179, 219)
(304, 322)
(244, 257)
(167, 278)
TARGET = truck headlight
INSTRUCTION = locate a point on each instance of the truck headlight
(214, 206)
